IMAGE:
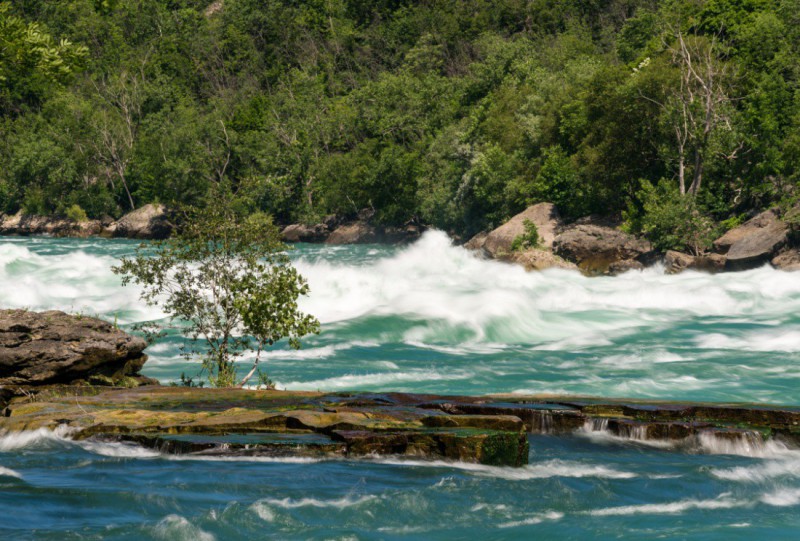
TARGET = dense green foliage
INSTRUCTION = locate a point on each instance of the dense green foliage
(456, 113)
(228, 279)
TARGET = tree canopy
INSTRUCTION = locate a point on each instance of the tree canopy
(226, 280)
(457, 114)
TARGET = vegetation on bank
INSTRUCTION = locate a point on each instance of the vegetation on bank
(682, 116)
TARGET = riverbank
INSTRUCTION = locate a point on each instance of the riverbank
(594, 246)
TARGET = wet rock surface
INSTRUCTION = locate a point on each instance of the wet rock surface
(488, 430)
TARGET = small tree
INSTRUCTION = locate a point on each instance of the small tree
(229, 279)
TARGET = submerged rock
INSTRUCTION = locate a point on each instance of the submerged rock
(38, 348)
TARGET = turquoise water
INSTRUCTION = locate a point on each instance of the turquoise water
(432, 317)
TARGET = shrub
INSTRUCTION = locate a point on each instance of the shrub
(76, 214)
(528, 239)
(673, 221)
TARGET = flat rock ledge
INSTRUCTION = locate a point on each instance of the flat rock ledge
(489, 430)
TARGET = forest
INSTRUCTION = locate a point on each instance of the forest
(679, 118)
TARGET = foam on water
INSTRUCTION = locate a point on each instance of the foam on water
(340, 503)
(178, 528)
(435, 317)
(544, 470)
(784, 497)
(724, 501)
(8, 472)
(41, 438)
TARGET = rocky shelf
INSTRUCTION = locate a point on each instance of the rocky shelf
(488, 430)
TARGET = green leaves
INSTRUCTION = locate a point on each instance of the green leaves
(227, 280)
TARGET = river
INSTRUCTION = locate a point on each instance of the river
(431, 317)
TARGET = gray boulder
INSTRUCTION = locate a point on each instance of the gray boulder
(595, 247)
(755, 242)
(676, 262)
(38, 348)
(147, 222)
(498, 242)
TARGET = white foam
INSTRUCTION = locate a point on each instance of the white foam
(117, 450)
(785, 340)
(536, 519)
(355, 381)
(724, 501)
(177, 528)
(769, 469)
(27, 439)
(784, 497)
(7, 472)
(340, 503)
(543, 470)
(748, 444)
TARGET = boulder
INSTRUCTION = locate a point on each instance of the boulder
(147, 222)
(676, 262)
(594, 247)
(354, 233)
(476, 242)
(766, 220)
(788, 260)
(52, 347)
(305, 233)
(755, 242)
(544, 215)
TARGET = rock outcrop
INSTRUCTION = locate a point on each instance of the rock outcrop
(600, 249)
(788, 260)
(676, 262)
(498, 242)
(22, 224)
(38, 348)
(305, 233)
(360, 231)
(753, 243)
(488, 430)
(147, 222)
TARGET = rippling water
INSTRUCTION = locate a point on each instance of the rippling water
(432, 317)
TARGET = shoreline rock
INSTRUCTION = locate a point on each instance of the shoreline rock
(150, 222)
(46, 348)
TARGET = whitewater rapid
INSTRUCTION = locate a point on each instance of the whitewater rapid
(434, 316)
